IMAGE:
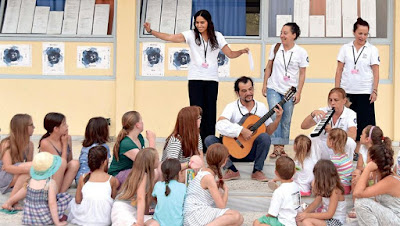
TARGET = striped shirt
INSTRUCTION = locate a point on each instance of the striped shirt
(174, 150)
(344, 167)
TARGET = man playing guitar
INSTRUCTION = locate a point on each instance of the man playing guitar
(227, 125)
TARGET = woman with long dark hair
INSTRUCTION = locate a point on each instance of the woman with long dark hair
(205, 44)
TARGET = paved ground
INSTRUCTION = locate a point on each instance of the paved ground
(250, 197)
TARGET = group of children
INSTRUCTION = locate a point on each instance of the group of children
(125, 193)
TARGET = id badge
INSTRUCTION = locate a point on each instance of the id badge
(286, 78)
(204, 65)
(354, 71)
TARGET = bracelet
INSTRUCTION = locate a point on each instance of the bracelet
(187, 164)
(312, 116)
(150, 31)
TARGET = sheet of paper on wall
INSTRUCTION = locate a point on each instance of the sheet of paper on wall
(101, 16)
(71, 12)
(280, 21)
(153, 55)
(368, 13)
(53, 58)
(153, 14)
(349, 12)
(25, 20)
(11, 16)
(16, 55)
(168, 15)
(40, 20)
(85, 21)
(224, 64)
(183, 16)
(301, 15)
(55, 22)
(333, 18)
(94, 57)
(317, 26)
(178, 59)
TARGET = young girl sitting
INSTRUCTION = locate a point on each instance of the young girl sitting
(128, 144)
(16, 154)
(96, 133)
(170, 195)
(132, 204)
(304, 164)
(344, 165)
(328, 191)
(56, 141)
(95, 193)
(43, 206)
(204, 203)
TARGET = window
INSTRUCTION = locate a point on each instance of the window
(231, 18)
(55, 17)
(328, 18)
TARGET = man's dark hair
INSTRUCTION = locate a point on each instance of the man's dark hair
(243, 79)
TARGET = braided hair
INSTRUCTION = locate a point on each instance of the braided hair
(383, 158)
(96, 157)
(170, 169)
(217, 155)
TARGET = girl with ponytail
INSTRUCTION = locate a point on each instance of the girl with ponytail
(170, 195)
(95, 193)
(56, 141)
(128, 144)
(386, 209)
(206, 198)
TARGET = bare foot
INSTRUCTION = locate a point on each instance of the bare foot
(17, 206)
(7, 206)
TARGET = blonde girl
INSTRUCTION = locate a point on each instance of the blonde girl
(16, 154)
(56, 141)
(329, 192)
(132, 204)
(344, 165)
(128, 144)
(304, 164)
(204, 203)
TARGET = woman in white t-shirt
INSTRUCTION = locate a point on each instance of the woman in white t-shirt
(343, 118)
(358, 74)
(288, 68)
(205, 44)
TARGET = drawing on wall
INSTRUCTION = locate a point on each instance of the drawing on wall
(53, 59)
(15, 55)
(94, 57)
(179, 58)
(153, 59)
(223, 65)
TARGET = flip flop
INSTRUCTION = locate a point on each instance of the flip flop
(12, 211)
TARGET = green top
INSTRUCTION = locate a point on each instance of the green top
(124, 162)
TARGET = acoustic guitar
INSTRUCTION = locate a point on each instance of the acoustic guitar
(239, 147)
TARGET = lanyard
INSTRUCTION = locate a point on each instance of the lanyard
(205, 49)
(354, 56)
(249, 111)
(284, 61)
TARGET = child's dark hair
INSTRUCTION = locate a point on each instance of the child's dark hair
(170, 169)
(285, 167)
(303, 148)
(326, 178)
(96, 132)
(375, 134)
(96, 157)
(216, 156)
(338, 139)
(51, 120)
(294, 28)
(360, 22)
(383, 158)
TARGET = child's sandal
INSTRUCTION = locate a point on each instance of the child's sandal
(274, 154)
(352, 213)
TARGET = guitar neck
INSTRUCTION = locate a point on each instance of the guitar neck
(266, 116)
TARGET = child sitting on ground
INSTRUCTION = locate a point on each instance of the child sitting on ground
(286, 198)
(304, 164)
(170, 195)
(95, 193)
(337, 141)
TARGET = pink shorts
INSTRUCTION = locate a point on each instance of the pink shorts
(347, 189)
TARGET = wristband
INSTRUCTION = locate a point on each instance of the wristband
(312, 116)
(150, 31)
